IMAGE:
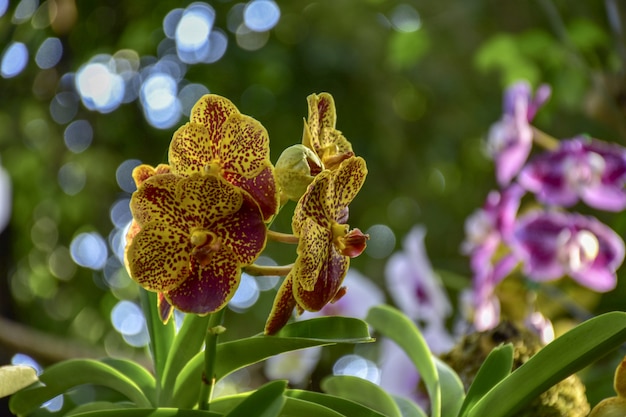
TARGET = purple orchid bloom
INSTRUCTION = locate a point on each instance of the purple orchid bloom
(510, 139)
(486, 230)
(552, 244)
(412, 283)
(590, 170)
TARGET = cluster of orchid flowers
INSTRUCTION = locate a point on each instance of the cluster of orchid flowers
(546, 240)
(205, 217)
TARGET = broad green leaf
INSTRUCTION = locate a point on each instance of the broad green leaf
(267, 401)
(187, 343)
(63, 376)
(149, 412)
(331, 328)
(408, 408)
(294, 407)
(161, 335)
(236, 354)
(15, 377)
(495, 368)
(341, 405)
(567, 354)
(362, 391)
(137, 373)
(391, 323)
(99, 406)
(452, 389)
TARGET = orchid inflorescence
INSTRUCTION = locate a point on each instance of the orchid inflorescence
(543, 238)
(203, 218)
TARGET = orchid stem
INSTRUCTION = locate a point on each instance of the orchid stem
(267, 270)
(544, 140)
(214, 329)
(282, 237)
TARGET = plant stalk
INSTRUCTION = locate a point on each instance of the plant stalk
(214, 329)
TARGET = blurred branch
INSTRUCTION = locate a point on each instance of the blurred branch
(47, 348)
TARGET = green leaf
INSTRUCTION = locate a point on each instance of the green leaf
(267, 401)
(408, 408)
(237, 354)
(15, 377)
(149, 412)
(161, 335)
(137, 373)
(495, 368)
(341, 405)
(61, 377)
(294, 407)
(362, 391)
(332, 328)
(452, 389)
(186, 345)
(391, 323)
(567, 354)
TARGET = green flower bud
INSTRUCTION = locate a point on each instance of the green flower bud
(295, 169)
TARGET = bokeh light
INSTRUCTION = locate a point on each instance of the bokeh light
(127, 318)
(49, 53)
(64, 107)
(246, 295)
(382, 241)
(404, 18)
(160, 102)
(78, 136)
(100, 87)
(72, 178)
(189, 95)
(261, 15)
(14, 60)
(6, 198)
(120, 213)
(89, 250)
(358, 366)
(4, 5)
(124, 175)
(23, 359)
(24, 11)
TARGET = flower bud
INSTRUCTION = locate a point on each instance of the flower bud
(295, 169)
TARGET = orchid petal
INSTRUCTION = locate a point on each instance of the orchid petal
(158, 256)
(208, 288)
(155, 200)
(191, 149)
(348, 180)
(282, 310)
(212, 111)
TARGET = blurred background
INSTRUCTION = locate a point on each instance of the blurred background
(89, 90)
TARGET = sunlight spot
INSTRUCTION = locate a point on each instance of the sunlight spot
(78, 136)
(99, 86)
(49, 53)
(160, 102)
(405, 18)
(246, 295)
(14, 60)
(261, 15)
(382, 241)
(358, 366)
(89, 250)
(124, 175)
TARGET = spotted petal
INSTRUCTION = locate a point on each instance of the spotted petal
(156, 200)
(191, 149)
(244, 232)
(315, 203)
(245, 162)
(322, 114)
(347, 181)
(282, 310)
(318, 273)
(206, 200)
(208, 288)
(211, 111)
(158, 257)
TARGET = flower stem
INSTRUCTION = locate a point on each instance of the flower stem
(267, 270)
(544, 140)
(282, 237)
(214, 329)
